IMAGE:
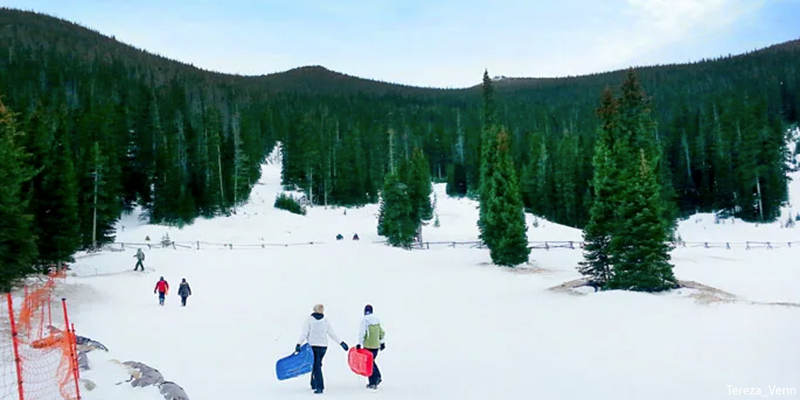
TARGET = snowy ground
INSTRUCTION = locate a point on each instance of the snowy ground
(457, 327)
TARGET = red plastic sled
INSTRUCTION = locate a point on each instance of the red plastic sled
(360, 361)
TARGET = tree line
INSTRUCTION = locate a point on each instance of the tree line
(102, 127)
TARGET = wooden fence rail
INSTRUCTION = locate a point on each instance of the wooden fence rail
(534, 245)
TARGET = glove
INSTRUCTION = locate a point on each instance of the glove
(154, 292)
(344, 346)
(383, 346)
(297, 348)
(358, 346)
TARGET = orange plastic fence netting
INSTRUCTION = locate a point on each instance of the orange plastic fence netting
(46, 348)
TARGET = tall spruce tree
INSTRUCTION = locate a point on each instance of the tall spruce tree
(641, 242)
(396, 220)
(485, 191)
(597, 264)
(17, 243)
(56, 206)
(406, 201)
(629, 229)
(418, 180)
(502, 221)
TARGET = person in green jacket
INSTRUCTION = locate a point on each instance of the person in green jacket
(370, 337)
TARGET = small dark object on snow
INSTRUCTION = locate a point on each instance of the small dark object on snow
(172, 391)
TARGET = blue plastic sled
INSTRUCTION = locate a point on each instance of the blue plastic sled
(296, 364)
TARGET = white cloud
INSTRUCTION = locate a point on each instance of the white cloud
(656, 24)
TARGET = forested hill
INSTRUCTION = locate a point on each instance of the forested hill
(183, 142)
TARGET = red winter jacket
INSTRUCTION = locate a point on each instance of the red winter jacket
(162, 286)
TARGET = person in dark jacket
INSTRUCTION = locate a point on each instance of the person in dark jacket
(184, 291)
(139, 256)
(371, 337)
(162, 287)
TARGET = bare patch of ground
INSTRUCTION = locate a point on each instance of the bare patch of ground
(703, 294)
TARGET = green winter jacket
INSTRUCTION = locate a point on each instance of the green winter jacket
(371, 333)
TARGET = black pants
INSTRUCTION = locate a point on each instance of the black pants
(375, 378)
(161, 296)
(183, 300)
(138, 264)
(317, 383)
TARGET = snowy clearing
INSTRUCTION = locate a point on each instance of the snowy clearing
(457, 327)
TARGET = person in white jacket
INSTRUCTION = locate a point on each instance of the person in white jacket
(315, 332)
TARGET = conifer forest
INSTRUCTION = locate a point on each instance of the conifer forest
(91, 127)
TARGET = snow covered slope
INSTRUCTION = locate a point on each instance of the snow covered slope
(457, 327)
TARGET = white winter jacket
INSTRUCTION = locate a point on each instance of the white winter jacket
(316, 331)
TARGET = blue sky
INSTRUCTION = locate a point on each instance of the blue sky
(434, 43)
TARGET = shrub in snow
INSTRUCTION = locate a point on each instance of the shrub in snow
(289, 203)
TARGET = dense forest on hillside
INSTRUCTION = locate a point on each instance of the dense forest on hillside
(106, 126)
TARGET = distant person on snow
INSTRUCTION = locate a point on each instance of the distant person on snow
(184, 291)
(315, 332)
(339, 237)
(355, 237)
(162, 287)
(139, 256)
(370, 337)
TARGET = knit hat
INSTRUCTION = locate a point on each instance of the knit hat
(368, 309)
(319, 308)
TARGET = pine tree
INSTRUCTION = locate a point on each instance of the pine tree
(396, 221)
(56, 216)
(641, 243)
(629, 231)
(502, 221)
(418, 180)
(17, 243)
(597, 264)
(485, 192)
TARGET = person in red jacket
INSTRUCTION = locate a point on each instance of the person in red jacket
(162, 287)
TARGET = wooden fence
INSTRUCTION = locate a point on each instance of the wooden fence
(534, 245)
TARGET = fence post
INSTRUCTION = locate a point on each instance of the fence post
(73, 358)
(546, 246)
(15, 342)
(727, 245)
(747, 245)
(77, 365)
(198, 245)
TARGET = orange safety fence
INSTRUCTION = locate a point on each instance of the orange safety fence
(38, 347)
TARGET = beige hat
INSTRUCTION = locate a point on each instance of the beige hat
(319, 308)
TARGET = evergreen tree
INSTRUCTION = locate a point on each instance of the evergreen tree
(56, 206)
(418, 181)
(628, 233)
(456, 180)
(597, 263)
(640, 244)
(486, 226)
(396, 221)
(502, 222)
(17, 243)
